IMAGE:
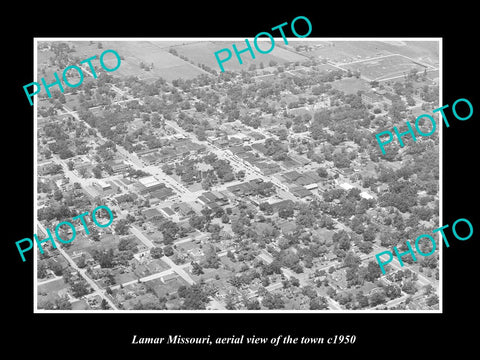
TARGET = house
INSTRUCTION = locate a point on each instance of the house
(151, 214)
(168, 212)
(284, 203)
(169, 277)
(291, 176)
(346, 186)
(311, 186)
(118, 166)
(102, 185)
(372, 98)
(366, 195)
(182, 208)
(300, 191)
(162, 193)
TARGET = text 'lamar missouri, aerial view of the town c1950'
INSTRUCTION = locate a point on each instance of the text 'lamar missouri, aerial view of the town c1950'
(258, 188)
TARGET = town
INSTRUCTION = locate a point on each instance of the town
(258, 188)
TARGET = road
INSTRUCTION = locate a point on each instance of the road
(151, 277)
(179, 270)
(49, 280)
(82, 272)
(133, 158)
(421, 279)
(250, 170)
(185, 195)
(138, 233)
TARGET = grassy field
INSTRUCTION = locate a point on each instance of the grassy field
(203, 52)
(351, 85)
(384, 68)
(346, 51)
(133, 53)
(52, 286)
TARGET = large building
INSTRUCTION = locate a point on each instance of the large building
(149, 184)
(102, 185)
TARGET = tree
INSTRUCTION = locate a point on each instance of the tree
(104, 304)
(252, 304)
(286, 211)
(393, 291)
(377, 298)
(373, 271)
(94, 234)
(225, 219)
(318, 303)
(106, 259)
(342, 239)
(63, 303)
(97, 172)
(428, 289)
(195, 298)
(79, 289)
(57, 195)
(322, 172)
(362, 300)
(156, 252)
(127, 244)
(409, 287)
(352, 260)
(121, 227)
(432, 300)
(196, 268)
(41, 270)
(82, 261)
(273, 301)
(370, 233)
(365, 247)
(211, 259)
(168, 251)
(55, 267)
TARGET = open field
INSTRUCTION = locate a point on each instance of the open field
(52, 286)
(346, 51)
(165, 65)
(203, 52)
(351, 85)
(384, 68)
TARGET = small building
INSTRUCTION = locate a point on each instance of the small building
(300, 191)
(118, 166)
(366, 195)
(102, 185)
(167, 211)
(152, 214)
(346, 186)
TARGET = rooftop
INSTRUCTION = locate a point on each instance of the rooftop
(149, 181)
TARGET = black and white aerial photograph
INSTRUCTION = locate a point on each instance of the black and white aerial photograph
(258, 188)
(222, 181)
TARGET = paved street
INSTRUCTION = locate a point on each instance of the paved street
(82, 272)
(179, 270)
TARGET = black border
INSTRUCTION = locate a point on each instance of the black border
(381, 334)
